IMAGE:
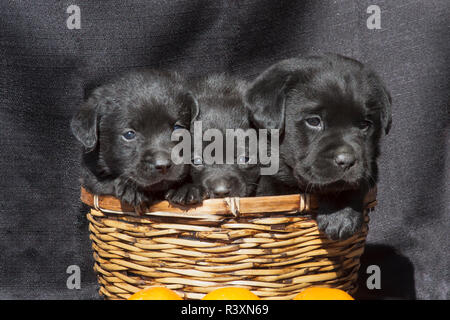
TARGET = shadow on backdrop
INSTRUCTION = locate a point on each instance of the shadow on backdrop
(396, 274)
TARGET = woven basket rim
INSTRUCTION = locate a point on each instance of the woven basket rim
(225, 206)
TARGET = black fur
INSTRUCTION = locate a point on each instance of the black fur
(337, 158)
(220, 105)
(138, 170)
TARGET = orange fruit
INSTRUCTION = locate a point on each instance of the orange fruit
(231, 293)
(155, 293)
(317, 293)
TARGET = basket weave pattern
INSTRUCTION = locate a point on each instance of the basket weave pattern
(273, 254)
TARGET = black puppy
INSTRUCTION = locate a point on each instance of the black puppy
(220, 106)
(125, 127)
(331, 112)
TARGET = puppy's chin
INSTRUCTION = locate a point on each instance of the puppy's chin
(155, 181)
(241, 192)
(315, 182)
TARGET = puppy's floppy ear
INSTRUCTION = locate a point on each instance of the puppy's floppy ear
(382, 98)
(265, 97)
(189, 110)
(386, 112)
(84, 126)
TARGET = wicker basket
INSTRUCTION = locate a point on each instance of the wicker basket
(265, 244)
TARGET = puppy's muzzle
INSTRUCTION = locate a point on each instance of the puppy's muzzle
(159, 161)
(221, 188)
(344, 157)
(345, 160)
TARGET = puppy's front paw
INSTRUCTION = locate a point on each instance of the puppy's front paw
(129, 193)
(186, 194)
(341, 224)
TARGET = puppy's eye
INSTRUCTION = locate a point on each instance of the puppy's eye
(365, 125)
(178, 126)
(243, 160)
(129, 135)
(314, 122)
(197, 161)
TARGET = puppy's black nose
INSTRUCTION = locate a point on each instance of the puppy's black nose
(160, 161)
(162, 164)
(345, 160)
(221, 189)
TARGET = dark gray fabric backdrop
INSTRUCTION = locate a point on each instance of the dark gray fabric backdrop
(45, 69)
